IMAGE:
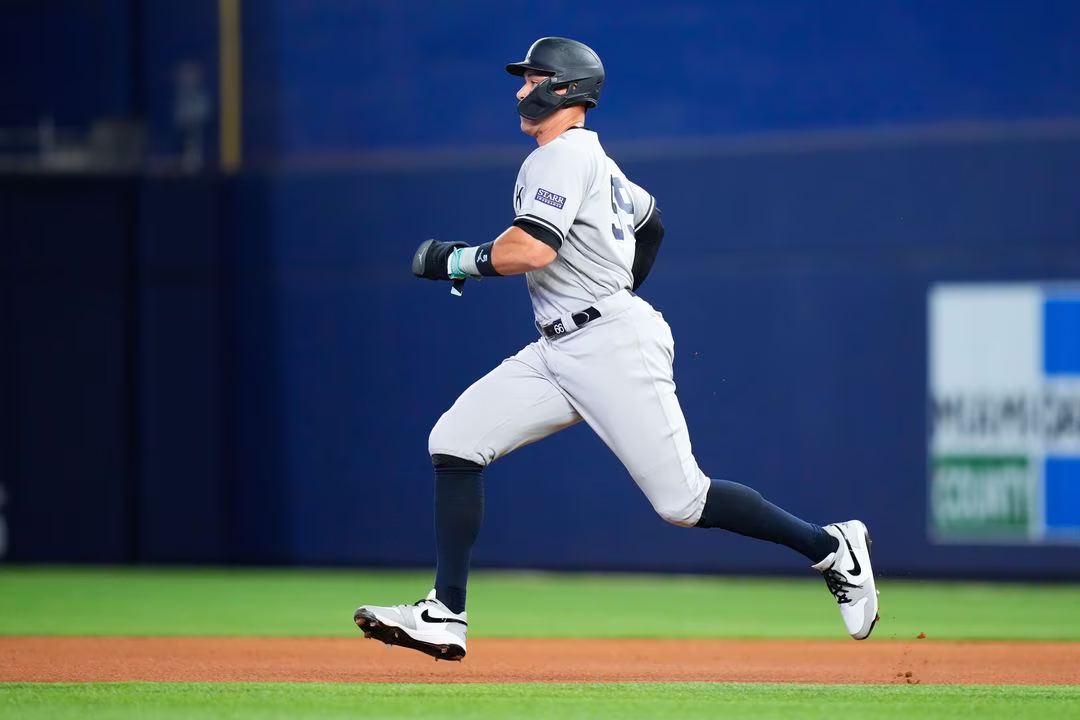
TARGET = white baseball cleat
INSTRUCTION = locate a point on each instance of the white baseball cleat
(850, 577)
(426, 625)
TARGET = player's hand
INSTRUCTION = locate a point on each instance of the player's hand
(429, 260)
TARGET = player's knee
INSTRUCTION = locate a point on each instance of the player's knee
(681, 516)
(681, 510)
(447, 441)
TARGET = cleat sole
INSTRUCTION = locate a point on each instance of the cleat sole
(392, 636)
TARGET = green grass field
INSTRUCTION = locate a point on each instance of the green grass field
(39, 601)
(124, 701)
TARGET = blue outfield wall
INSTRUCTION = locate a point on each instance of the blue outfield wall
(284, 368)
(67, 427)
(180, 335)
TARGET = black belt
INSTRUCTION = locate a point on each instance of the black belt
(555, 329)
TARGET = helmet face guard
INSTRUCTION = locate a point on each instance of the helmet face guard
(543, 100)
(568, 64)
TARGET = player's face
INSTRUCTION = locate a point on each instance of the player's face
(532, 127)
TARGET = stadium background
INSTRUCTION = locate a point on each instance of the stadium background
(212, 352)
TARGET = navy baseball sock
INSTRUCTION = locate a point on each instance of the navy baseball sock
(459, 510)
(742, 510)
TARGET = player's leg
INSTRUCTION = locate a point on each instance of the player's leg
(629, 399)
(515, 404)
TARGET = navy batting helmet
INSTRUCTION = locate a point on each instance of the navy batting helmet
(571, 65)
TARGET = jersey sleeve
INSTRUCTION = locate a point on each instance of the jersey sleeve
(553, 186)
(644, 205)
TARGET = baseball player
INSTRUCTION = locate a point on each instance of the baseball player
(585, 237)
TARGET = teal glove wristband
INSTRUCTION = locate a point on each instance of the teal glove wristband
(453, 265)
(466, 262)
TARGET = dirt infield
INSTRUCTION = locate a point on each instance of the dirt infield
(86, 659)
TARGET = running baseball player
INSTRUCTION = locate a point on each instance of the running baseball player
(585, 237)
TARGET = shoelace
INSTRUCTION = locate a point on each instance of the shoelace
(422, 601)
(838, 585)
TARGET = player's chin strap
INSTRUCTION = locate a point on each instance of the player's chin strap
(469, 262)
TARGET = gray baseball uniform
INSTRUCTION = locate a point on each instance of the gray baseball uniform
(604, 356)
(614, 371)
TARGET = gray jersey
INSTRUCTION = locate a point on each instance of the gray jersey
(571, 187)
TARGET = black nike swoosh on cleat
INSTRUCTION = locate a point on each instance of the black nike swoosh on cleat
(427, 618)
(856, 569)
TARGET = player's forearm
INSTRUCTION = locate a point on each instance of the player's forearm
(516, 252)
(512, 253)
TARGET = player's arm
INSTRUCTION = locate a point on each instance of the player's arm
(514, 252)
